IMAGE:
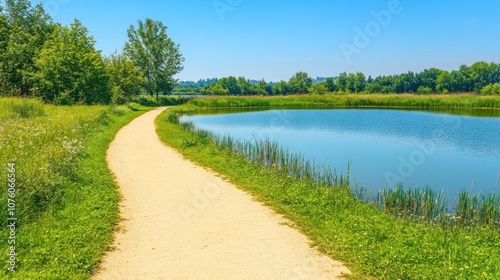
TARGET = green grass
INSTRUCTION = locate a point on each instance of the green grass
(353, 100)
(372, 243)
(67, 201)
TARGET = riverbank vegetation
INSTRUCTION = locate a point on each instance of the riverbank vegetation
(352, 100)
(403, 241)
(66, 201)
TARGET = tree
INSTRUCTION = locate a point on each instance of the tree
(125, 78)
(428, 78)
(330, 85)
(359, 82)
(318, 88)
(491, 89)
(300, 82)
(70, 70)
(156, 55)
(342, 82)
(27, 30)
(281, 88)
(262, 88)
(231, 84)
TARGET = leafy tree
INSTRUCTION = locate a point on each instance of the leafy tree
(482, 74)
(28, 28)
(245, 86)
(424, 90)
(281, 88)
(217, 89)
(262, 88)
(359, 82)
(342, 82)
(231, 84)
(125, 78)
(4, 35)
(156, 55)
(318, 88)
(330, 85)
(491, 89)
(300, 82)
(428, 78)
(70, 70)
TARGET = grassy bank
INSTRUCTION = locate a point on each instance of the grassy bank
(374, 244)
(353, 100)
(66, 201)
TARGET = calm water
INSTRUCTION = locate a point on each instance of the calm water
(385, 147)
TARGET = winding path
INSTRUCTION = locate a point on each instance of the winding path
(184, 222)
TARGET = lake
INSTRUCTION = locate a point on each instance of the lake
(385, 147)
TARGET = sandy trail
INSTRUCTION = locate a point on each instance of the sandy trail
(183, 222)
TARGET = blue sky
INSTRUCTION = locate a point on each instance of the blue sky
(273, 39)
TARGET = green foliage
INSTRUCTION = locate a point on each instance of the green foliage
(330, 85)
(27, 109)
(491, 89)
(125, 78)
(300, 82)
(156, 55)
(424, 90)
(281, 88)
(24, 29)
(319, 88)
(70, 70)
(373, 244)
(67, 203)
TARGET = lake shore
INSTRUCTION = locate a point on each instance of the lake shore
(370, 242)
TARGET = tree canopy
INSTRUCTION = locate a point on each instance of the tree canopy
(156, 55)
(70, 70)
(60, 64)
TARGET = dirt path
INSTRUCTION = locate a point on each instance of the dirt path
(184, 222)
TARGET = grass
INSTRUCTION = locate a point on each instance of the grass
(67, 202)
(374, 244)
(353, 100)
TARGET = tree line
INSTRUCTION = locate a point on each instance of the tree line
(480, 77)
(60, 64)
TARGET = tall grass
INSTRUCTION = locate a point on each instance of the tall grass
(66, 202)
(353, 100)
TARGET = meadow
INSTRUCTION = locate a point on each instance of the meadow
(66, 201)
(400, 234)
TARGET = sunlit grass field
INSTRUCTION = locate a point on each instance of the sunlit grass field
(66, 202)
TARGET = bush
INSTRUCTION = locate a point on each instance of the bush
(424, 90)
(491, 89)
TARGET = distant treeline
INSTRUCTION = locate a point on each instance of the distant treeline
(480, 77)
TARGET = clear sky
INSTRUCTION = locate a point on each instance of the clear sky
(273, 39)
